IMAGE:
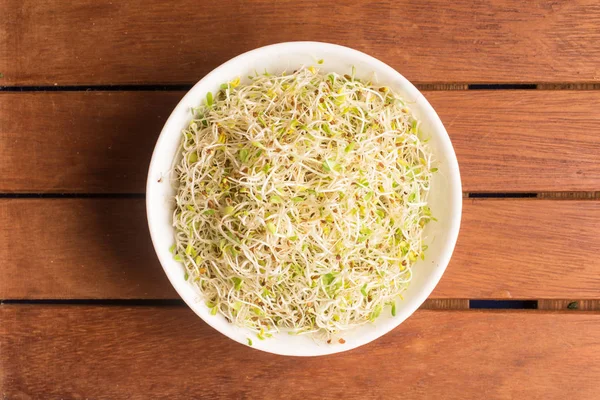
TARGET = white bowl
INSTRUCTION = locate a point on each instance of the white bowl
(445, 196)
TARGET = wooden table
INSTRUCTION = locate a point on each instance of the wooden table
(86, 310)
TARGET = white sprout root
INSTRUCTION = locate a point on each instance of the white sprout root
(301, 201)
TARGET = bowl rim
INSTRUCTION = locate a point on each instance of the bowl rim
(453, 176)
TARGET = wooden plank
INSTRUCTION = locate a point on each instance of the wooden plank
(569, 195)
(79, 141)
(99, 249)
(78, 249)
(569, 86)
(101, 142)
(113, 42)
(445, 304)
(523, 140)
(81, 352)
(583, 305)
(525, 249)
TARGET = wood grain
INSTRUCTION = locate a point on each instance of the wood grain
(140, 41)
(569, 86)
(100, 249)
(445, 304)
(101, 142)
(78, 249)
(571, 305)
(523, 140)
(569, 195)
(525, 249)
(82, 352)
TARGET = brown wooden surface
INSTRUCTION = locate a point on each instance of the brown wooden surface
(529, 141)
(91, 42)
(100, 249)
(78, 249)
(167, 352)
(101, 142)
(79, 142)
(445, 304)
(526, 248)
(572, 305)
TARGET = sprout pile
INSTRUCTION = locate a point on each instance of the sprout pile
(301, 201)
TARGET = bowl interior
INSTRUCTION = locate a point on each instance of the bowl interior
(445, 196)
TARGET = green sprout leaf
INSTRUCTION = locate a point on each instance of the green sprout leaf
(193, 157)
(275, 199)
(243, 155)
(363, 290)
(376, 312)
(331, 165)
(412, 256)
(228, 210)
(350, 147)
(403, 162)
(237, 283)
(328, 278)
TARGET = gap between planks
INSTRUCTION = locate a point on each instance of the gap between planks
(583, 195)
(429, 304)
(465, 195)
(542, 304)
(424, 86)
(438, 86)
